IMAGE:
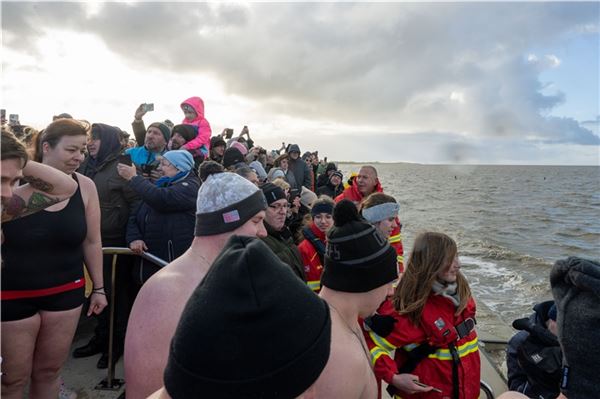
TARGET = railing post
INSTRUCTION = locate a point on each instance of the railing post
(110, 382)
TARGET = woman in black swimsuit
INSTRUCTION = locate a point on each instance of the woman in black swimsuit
(42, 277)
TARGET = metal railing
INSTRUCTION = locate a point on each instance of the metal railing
(110, 382)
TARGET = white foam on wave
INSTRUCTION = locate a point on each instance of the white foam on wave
(495, 284)
(490, 268)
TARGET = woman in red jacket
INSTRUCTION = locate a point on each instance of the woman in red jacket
(312, 248)
(431, 316)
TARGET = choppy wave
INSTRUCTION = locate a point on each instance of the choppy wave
(510, 223)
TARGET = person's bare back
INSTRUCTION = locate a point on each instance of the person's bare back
(348, 373)
(153, 321)
(227, 204)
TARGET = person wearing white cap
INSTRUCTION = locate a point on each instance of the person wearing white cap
(227, 204)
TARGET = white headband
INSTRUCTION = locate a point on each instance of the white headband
(380, 212)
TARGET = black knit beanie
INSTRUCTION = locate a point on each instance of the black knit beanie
(216, 141)
(188, 132)
(251, 329)
(358, 258)
(231, 156)
(272, 192)
(576, 289)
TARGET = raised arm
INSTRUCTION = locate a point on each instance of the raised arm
(139, 129)
(45, 187)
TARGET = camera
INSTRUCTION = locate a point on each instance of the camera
(147, 168)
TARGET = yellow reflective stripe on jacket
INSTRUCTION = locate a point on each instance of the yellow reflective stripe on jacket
(400, 259)
(410, 347)
(463, 350)
(382, 343)
(395, 238)
(376, 353)
(314, 285)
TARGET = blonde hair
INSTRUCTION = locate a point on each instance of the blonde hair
(432, 253)
(281, 183)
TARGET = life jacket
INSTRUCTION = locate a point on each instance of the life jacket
(540, 357)
(312, 250)
(396, 242)
(446, 356)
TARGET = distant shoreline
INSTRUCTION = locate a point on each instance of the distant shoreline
(454, 164)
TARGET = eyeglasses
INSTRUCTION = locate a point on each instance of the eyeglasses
(279, 207)
(164, 163)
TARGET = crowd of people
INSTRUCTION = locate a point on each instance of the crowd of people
(283, 280)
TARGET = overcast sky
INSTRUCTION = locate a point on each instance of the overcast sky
(505, 83)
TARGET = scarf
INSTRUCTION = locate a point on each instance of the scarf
(447, 290)
(167, 181)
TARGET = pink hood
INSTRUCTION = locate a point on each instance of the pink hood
(198, 105)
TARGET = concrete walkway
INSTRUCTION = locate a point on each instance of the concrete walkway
(81, 375)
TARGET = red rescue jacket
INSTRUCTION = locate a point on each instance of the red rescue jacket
(351, 193)
(435, 369)
(311, 260)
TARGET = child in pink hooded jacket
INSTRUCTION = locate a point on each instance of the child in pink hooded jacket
(193, 109)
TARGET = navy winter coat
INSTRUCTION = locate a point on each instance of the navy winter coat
(166, 217)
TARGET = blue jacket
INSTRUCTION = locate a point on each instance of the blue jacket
(166, 217)
(141, 156)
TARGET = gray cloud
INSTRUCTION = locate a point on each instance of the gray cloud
(460, 67)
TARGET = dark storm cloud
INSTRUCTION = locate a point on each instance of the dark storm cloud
(458, 66)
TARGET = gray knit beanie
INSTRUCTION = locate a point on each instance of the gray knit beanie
(225, 202)
(576, 289)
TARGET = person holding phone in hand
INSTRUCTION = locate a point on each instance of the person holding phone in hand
(430, 324)
(164, 222)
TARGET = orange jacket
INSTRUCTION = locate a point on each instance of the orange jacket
(435, 369)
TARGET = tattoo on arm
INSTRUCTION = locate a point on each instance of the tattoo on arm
(39, 184)
(16, 207)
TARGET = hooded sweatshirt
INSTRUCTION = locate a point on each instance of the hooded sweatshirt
(202, 140)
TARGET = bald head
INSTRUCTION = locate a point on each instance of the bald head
(366, 180)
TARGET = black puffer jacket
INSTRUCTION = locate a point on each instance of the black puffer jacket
(533, 356)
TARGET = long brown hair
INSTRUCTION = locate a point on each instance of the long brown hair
(55, 131)
(432, 253)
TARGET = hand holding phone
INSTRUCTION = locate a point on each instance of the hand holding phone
(427, 386)
(125, 159)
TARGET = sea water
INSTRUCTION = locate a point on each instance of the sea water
(511, 223)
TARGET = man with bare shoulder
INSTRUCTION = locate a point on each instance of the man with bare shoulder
(360, 267)
(252, 329)
(227, 204)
